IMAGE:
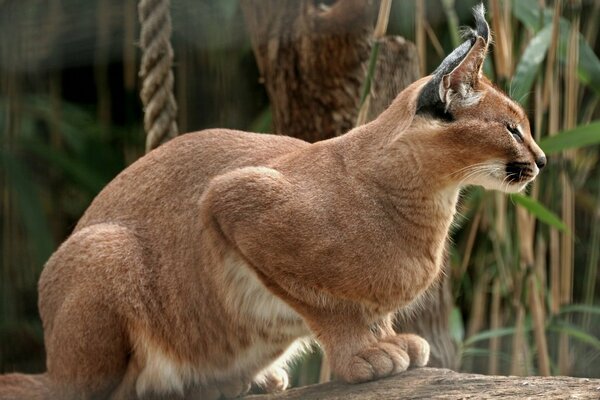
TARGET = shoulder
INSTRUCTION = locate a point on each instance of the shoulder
(248, 190)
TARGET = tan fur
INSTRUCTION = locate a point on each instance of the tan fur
(206, 265)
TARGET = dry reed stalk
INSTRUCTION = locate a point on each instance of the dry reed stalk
(525, 227)
(566, 269)
(518, 365)
(551, 60)
(502, 47)
(452, 21)
(129, 52)
(591, 272)
(507, 18)
(539, 110)
(500, 216)
(540, 262)
(552, 91)
(420, 41)
(103, 29)
(507, 279)
(591, 31)
(437, 46)
(380, 28)
(571, 77)
(382, 19)
(568, 203)
(468, 251)
(555, 271)
(495, 323)
(539, 331)
(479, 304)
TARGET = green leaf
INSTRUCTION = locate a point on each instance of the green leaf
(589, 66)
(576, 333)
(457, 327)
(529, 65)
(477, 352)
(528, 12)
(488, 335)
(539, 211)
(579, 137)
(582, 308)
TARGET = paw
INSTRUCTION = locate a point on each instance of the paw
(415, 346)
(233, 388)
(273, 380)
(380, 360)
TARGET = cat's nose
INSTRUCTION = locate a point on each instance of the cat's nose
(540, 162)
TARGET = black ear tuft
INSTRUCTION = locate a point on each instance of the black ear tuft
(429, 99)
(481, 25)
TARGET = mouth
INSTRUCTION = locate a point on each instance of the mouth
(511, 177)
(519, 173)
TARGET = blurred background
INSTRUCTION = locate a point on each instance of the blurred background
(523, 270)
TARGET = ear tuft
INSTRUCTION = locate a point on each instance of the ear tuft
(468, 33)
(481, 25)
(456, 79)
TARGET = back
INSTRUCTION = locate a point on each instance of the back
(159, 193)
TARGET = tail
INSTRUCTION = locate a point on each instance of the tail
(24, 387)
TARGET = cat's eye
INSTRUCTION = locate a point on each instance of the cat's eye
(515, 132)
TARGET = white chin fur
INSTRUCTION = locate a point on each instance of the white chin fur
(493, 177)
(497, 184)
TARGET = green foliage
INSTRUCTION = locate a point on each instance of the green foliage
(539, 211)
(529, 65)
(576, 333)
(581, 136)
(29, 206)
(538, 19)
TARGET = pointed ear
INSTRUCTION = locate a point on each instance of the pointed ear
(456, 79)
(462, 82)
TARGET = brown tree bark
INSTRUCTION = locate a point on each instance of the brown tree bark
(313, 62)
(430, 383)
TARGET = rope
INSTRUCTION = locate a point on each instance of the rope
(160, 108)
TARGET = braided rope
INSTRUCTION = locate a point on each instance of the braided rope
(160, 108)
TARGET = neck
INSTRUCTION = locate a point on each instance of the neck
(404, 159)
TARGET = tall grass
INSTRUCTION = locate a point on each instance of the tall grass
(536, 247)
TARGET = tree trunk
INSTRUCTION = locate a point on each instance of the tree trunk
(430, 383)
(313, 62)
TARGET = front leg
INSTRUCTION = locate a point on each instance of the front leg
(284, 234)
(359, 352)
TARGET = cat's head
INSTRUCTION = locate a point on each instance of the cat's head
(488, 128)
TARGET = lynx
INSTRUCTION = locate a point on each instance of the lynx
(205, 266)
